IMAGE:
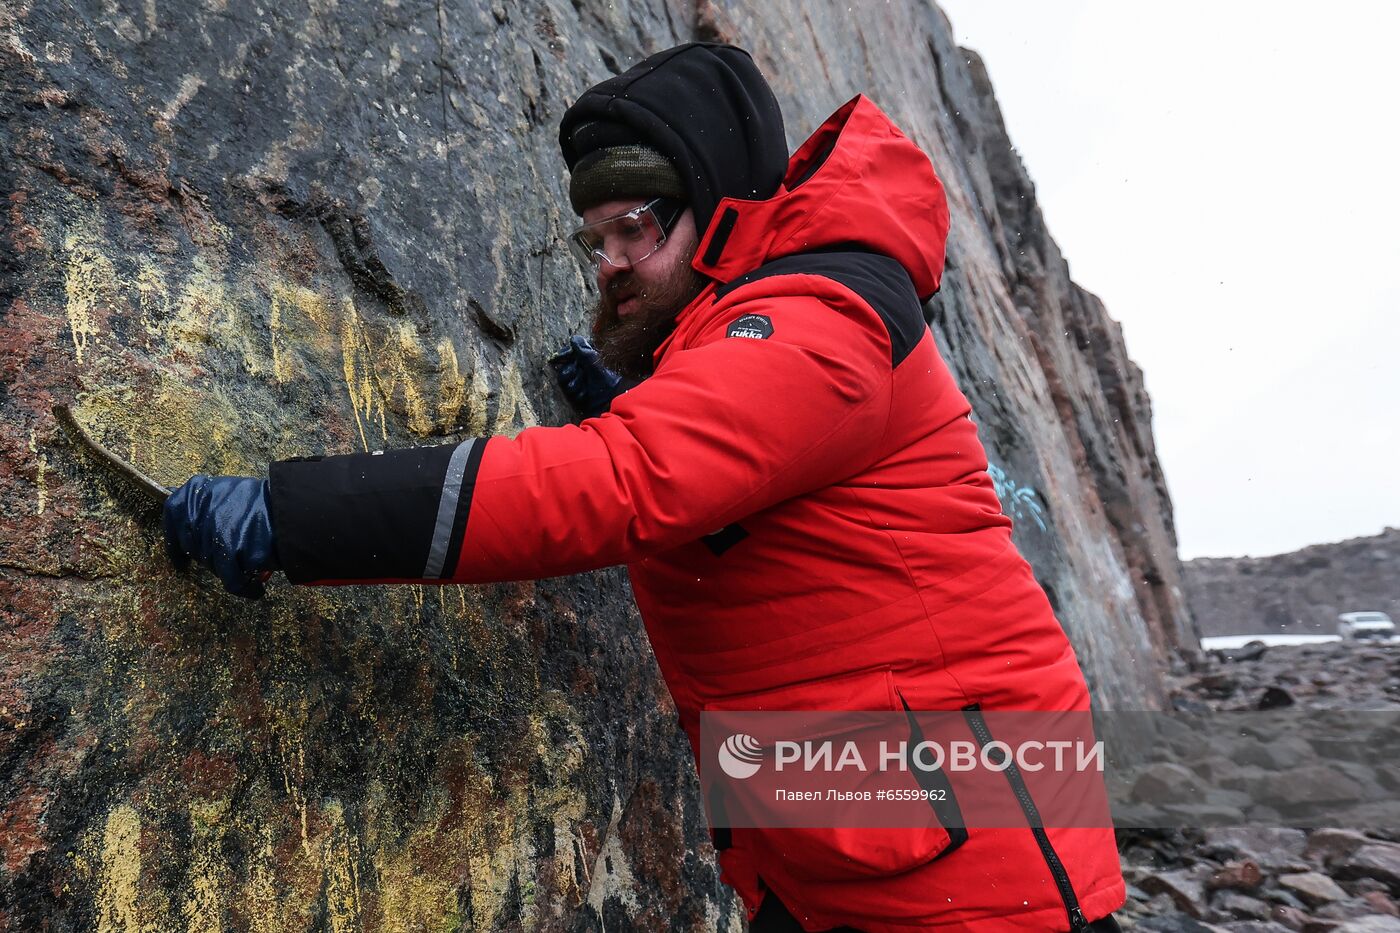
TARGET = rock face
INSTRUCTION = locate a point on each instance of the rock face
(1300, 592)
(232, 233)
(1078, 423)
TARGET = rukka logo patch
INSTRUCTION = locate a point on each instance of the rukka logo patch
(752, 326)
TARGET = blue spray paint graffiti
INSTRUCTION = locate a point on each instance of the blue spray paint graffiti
(1016, 500)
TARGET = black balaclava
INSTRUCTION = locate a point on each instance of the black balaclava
(703, 106)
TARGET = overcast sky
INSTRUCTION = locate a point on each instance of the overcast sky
(1224, 176)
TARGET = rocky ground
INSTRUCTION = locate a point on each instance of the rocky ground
(1269, 878)
(1331, 675)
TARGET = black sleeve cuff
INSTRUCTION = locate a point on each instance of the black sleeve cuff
(388, 515)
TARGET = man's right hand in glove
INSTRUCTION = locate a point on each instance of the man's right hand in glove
(589, 386)
(223, 522)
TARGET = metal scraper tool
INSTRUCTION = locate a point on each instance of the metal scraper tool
(148, 487)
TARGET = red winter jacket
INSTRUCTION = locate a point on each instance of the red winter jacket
(803, 506)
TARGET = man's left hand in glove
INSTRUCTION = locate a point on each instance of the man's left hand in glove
(223, 522)
(589, 386)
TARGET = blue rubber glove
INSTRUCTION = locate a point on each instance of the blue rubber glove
(223, 522)
(589, 386)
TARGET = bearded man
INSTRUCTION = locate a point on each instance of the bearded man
(775, 449)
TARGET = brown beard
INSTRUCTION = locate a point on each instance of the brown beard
(626, 345)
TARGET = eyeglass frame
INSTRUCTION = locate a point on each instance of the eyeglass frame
(665, 227)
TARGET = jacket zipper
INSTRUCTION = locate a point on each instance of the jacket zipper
(1077, 921)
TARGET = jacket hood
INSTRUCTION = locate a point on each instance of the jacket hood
(704, 106)
(856, 181)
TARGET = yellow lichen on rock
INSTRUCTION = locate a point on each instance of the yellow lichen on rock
(208, 872)
(339, 854)
(419, 871)
(170, 430)
(311, 305)
(478, 393)
(406, 362)
(90, 283)
(513, 404)
(393, 371)
(386, 365)
(561, 760)
(452, 386)
(119, 874)
(211, 314)
(41, 467)
(200, 300)
(261, 901)
(153, 295)
(496, 865)
(379, 372)
(359, 380)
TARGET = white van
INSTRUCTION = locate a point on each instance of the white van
(1366, 626)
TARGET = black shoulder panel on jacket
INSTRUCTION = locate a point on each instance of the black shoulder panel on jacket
(881, 281)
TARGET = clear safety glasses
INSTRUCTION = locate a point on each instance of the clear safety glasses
(628, 238)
